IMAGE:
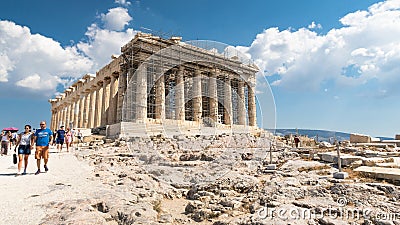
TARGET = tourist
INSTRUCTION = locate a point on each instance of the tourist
(60, 136)
(54, 143)
(5, 142)
(42, 138)
(14, 138)
(296, 141)
(72, 137)
(68, 138)
(24, 141)
(79, 135)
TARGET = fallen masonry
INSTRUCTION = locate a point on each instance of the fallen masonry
(232, 179)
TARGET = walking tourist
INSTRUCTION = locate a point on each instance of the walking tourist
(60, 136)
(14, 138)
(24, 140)
(5, 142)
(42, 138)
(54, 143)
(68, 138)
(72, 137)
(79, 135)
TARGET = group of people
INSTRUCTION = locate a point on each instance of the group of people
(41, 140)
(7, 140)
(66, 136)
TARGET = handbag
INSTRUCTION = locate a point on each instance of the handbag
(15, 158)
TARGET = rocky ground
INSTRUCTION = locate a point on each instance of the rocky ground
(223, 179)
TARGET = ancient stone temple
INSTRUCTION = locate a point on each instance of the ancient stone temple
(163, 86)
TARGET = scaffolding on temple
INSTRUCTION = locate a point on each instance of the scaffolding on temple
(202, 80)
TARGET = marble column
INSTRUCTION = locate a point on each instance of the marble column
(241, 103)
(197, 99)
(213, 97)
(112, 109)
(122, 86)
(62, 121)
(180, 95)
(81, 109)
(58, 116)
(98, 105)
(76, 112)
(92, 108)
(252, 105)
(105, 105)
(69, 114)
(72, 114)
(228, 100)
(53, 113)
(160, 95)
(86, 109)
(141, 93)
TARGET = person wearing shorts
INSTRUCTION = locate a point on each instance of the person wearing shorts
(42, 138)
(24, 144)
(60, 136)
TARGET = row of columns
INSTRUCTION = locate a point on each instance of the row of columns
(88, 106)
(141, 98)
(93, 103)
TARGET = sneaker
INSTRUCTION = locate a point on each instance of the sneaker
(37, 172)
(24, 173)
(46, 168)
(18, 174)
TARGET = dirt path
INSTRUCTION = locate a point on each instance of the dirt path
(23, 198)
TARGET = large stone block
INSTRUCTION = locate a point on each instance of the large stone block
(380, 172)
(360, 138)
(340, 175)
(345, 159)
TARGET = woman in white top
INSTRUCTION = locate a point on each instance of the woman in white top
(24, 150)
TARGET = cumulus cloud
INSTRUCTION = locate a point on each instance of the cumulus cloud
(38, 65)
(37, 83)
(368, 42)
(313, 25)
(103, 43)
(24, 56)
(116, 19)
(123, 2)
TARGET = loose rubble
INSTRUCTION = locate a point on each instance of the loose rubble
(224, 179)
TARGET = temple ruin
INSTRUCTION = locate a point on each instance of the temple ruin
(164, 86)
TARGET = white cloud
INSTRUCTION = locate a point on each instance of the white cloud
(304, 59)
(23, 54)
(313, 25)
(123, 2)
(116, 19)
(37, 83)
(103, 43)
(39, 64)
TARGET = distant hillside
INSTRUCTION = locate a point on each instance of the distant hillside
(323, 135)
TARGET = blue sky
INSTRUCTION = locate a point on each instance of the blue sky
(331, 64)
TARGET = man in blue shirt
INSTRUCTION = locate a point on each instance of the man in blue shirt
(60, 138)
(42, 138)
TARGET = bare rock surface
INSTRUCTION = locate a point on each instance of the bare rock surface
(214, 180)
